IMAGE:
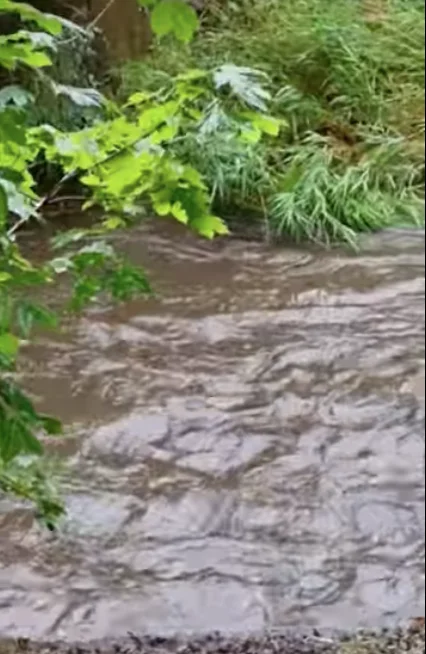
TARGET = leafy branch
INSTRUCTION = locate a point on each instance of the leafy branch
(127, 163)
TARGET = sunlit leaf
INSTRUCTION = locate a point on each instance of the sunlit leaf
(209, 226)
(90, 180)
(250, 134)
(12, 53)
(37, 60)
(152, 118)
(114, 222)
(174, 17)
(5, 277)
(123, 173)
(266, 124)
(164, 134)
(179, 213)
(193, 177)
(193, 74)
(9, 345)
(138, 98)
(162, 208)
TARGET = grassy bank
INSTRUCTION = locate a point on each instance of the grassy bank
(347, 80)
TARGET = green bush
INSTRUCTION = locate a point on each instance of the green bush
(322, 198)
(348, 84)
(126, 164)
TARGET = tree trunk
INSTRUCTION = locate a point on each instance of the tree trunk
(125, 26)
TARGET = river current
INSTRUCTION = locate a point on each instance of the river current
(245, 450)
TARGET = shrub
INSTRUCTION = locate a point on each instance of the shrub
(351, 73)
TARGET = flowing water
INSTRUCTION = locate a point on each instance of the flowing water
(247, 449)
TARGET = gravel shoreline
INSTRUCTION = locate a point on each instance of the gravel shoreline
(398, 641)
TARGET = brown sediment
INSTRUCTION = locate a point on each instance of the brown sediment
(398, 641)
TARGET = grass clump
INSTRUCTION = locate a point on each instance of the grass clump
(347, 78)
(326, 199)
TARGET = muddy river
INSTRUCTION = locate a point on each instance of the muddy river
(246, 450)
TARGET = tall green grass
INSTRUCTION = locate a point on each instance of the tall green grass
(349, 81)
(324, 199)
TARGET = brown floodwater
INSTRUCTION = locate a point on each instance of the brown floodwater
(247, 448)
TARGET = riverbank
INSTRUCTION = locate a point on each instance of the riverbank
(346, 87)
(410, 640)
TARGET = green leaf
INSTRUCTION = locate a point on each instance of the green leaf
(179, 213)
(3, 207)
(209, 226)
(23, 52)
(162, 208)
(27, 12)
(192, 176)
(174, 17)
(266, 124)
(125, 281)
(164, 134)
(29, 315)
(37, 60)
(147, 3)
(113, 222)
(152, 118)
(51, 426)
(18, 202)
(250, 135)
(193, 74)
(136, 99)
(30, 478)
(12, 126)
(9, 345)
(124, 172)
(16, 439)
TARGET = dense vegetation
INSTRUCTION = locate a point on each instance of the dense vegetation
(306, 115)
(123, 165)
(346, 79)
